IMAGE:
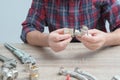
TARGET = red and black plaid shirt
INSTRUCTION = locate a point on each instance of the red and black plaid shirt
(71, 13)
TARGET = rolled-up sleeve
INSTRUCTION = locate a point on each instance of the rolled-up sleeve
(112, 13)
(35, 19)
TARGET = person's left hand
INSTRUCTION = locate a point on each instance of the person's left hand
(95, 40)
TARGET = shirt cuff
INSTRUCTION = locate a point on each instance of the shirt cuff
(24, 33)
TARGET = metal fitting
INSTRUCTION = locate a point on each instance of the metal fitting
(77, 73)
(34, 73)
(78, 76)
(87, 75)
(116, 77)
(75, 32)
(8, 74)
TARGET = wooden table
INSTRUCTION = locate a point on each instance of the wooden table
(103, 64)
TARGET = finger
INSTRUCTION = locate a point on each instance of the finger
(93, 32)
(79, 38)
(62, 37)
(64, 43)
(60, 31)
(89, 39)
(90, 46)
(84, 38)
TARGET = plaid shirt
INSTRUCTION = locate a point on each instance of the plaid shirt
(71, 13)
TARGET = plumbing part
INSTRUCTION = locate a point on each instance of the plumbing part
(116, 77)
(75, 32)
(22, 56)
(34, 73)
(30, 62)
(87, 75)
(78, 76)
(8, 69)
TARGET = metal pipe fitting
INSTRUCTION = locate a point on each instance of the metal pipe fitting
(87, 75)
(78, 76)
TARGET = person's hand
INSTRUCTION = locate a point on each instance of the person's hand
(95, 40)
(58, 41)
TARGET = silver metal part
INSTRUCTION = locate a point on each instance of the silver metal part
(116, 77)
(77, 33)
(69, 31)
(74, 32)
(8, 74)
(8, 69)
(84, 30)
(87, 75)
(78, 76)
(9, 63)
(24, 57)
(34, 73)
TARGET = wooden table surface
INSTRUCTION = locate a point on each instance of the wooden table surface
(103, 64)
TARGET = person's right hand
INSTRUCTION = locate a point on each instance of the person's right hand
(58, 41)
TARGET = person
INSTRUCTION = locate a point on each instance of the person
(60, 14)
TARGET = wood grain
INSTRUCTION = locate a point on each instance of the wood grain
(103, 63)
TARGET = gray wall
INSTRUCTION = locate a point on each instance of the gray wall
(12, 14)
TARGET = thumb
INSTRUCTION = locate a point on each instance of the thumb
(62, 37)
(60, 31)
(93, 31)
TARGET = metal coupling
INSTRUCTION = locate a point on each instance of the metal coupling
(77, 73)
(8, 74)
(78, 76)
(116, 77)
(86, 74)
(34, 73)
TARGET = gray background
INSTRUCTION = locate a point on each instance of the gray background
(12, 14)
